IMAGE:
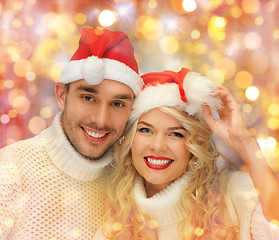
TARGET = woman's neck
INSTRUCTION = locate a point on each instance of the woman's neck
(151, 189)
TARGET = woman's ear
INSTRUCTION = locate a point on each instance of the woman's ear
(61, 93)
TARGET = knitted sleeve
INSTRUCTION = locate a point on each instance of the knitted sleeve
(9, 191)
(244, 199)
(262, 229)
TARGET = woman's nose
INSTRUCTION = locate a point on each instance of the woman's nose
(159, 143)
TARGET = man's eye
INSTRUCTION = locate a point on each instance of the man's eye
(118, 104)
(88, 98)
(144, 130)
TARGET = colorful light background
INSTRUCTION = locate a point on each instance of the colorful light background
(233, 42)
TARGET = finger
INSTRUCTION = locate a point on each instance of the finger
(208, 116)
(228, 100)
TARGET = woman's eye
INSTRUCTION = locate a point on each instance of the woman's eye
(144, 130)
(177, 134)
(88, 98)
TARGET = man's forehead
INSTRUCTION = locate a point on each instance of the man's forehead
(119, 93)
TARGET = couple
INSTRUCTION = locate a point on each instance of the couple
(75, 180)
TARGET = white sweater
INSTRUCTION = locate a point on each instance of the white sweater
(243, 205)
(48, 190)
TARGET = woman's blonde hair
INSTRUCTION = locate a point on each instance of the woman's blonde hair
(202, 199)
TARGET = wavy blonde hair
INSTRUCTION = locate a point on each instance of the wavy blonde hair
(202, 199)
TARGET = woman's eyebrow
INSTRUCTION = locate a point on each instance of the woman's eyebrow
(145, 123)
(177, 128)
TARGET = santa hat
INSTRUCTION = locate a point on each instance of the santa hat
(184, 90)
(103, 54)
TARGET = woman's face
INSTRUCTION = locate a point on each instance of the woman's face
(158, 150)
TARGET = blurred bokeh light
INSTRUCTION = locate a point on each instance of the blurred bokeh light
(236, 43)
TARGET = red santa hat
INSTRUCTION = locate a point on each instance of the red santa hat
(103, 54)
(184, 90)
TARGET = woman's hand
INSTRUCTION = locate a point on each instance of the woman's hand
(230, 128)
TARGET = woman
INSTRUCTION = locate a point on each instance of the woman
(167, 185)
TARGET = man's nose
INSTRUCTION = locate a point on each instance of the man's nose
(102, 115)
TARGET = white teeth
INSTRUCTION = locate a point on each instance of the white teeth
(158, 162)
(95, 135)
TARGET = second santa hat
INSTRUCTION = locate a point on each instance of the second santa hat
(103, 54)
(184, 90)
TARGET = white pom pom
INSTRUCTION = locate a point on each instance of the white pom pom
(93, 70)
(198, 88)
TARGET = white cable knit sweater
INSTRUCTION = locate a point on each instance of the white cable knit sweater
(48, 191)
(244, 209)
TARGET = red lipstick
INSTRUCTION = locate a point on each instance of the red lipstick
(157, 163)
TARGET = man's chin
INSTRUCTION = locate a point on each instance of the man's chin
(97, 156)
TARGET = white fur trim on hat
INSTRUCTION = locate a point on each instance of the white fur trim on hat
(93, 70)
(197, 89)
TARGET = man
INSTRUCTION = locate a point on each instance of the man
(52, 185)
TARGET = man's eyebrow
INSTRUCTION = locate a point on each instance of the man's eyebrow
(124, 96)
(87, 89)
(118, 96)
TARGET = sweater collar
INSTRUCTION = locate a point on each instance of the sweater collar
(165, 207)
(67, 159)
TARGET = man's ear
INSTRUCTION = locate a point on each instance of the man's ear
(60, 93)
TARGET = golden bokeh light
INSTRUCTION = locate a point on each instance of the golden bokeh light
(235, 43)
(216, 27)
(153, 224)
(150, 28)
(30, 76)
(22, 67)
(247, 108)
(12, 113)
(252, 93)
(273, 123)
(216, 75)
(16, 23)
(80, 18)
(36, 124)
(46, 112)
(236, 12)
(276, 33)
(169, 45)
(195, 34)
(251, 6)
(9, 83)
(259, 21)
(243, 79)
(199, 231)
(107, 18)
(273, 109)
(152, 4)
(117, 226)
(189, 5)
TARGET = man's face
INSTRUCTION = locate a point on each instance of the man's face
(94, 116)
